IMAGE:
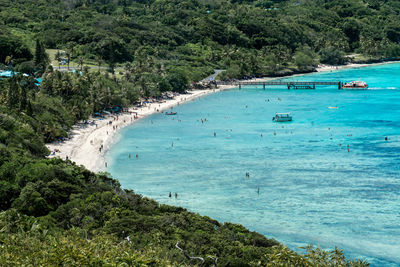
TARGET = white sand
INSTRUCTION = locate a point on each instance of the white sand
(85, 139)
(322, 67)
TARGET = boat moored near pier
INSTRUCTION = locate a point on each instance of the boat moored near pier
(355, 85)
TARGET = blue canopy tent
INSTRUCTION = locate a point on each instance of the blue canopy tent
(7, 74)
(10, 74)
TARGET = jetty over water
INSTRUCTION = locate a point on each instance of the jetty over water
(289, 84)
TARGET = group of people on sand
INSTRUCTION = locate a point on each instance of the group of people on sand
(61, 140)
(56, 150)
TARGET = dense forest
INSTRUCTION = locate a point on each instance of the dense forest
(260, 37)
(53, 212)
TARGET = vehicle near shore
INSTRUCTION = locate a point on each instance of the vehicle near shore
(282, 117)
(355, 85)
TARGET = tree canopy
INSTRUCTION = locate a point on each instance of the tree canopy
(53, 212)
(199, 35)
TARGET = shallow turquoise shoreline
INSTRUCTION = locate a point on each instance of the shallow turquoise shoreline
(312, 189)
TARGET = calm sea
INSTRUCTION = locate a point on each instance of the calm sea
(327, 178)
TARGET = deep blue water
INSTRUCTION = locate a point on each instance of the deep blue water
(313, 188)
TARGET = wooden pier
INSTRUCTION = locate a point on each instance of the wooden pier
(288, 84)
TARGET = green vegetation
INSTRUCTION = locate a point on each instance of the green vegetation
(256, 37)
(56, 213)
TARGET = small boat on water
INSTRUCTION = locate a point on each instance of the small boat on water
(356, 85)
(281, 117)
(170, 113)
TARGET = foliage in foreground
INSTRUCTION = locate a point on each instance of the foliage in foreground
(24, 241)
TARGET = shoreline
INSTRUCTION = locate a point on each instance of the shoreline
(85, 140)
(324, 68)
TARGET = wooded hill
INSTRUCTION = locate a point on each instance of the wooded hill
(56, 213)
(262, 37)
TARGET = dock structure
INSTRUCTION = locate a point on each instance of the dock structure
(288, 84)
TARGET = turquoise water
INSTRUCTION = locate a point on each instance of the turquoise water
(312, 187)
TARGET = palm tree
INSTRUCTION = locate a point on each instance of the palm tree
(68, 54)
(9, 61)
(57, 57)
(99, 61)
(128, 71)
(80, 61)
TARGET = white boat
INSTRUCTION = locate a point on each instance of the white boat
(280, 117)
(355, 85)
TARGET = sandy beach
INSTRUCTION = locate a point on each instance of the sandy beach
(322, 67)
(85, 140)
(88, 142)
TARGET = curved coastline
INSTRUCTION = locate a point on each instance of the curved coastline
(83, 146)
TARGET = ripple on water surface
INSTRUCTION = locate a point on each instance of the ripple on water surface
(328, 178)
